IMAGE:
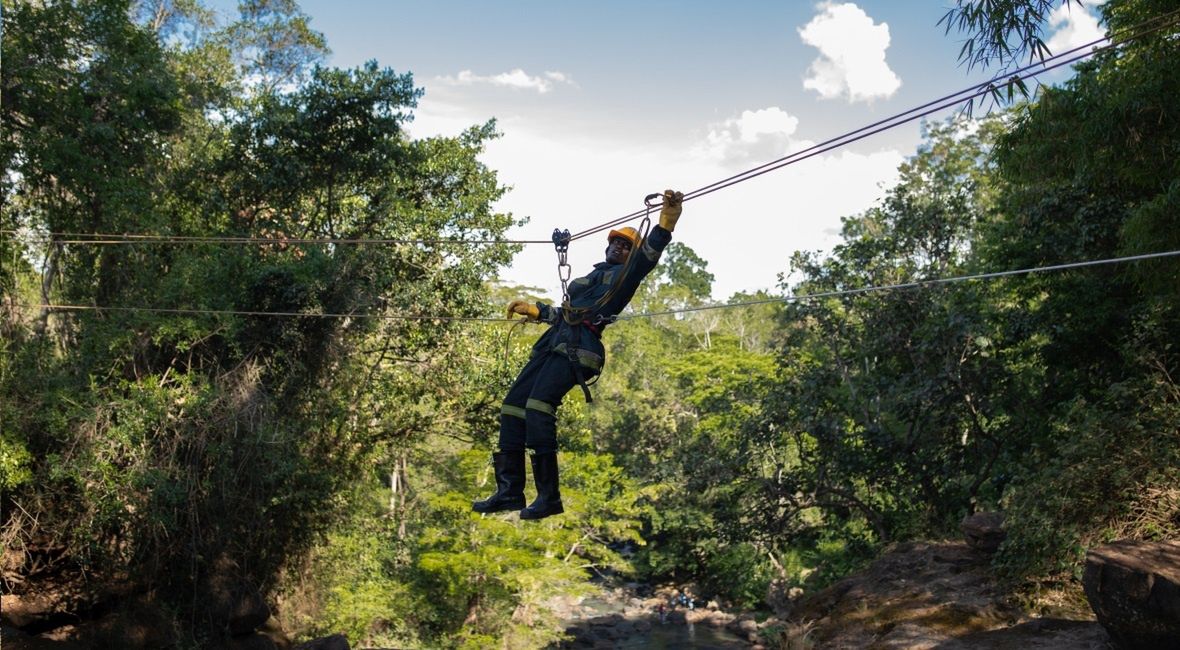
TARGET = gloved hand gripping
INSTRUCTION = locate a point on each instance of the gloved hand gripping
(524, 308)
(670, 213)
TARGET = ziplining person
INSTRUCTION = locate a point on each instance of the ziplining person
(566, 354)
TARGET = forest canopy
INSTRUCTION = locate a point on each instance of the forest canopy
(162, 430)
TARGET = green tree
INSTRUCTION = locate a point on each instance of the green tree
(1003, 32)
(883, 409)
(189, 445)
(1086, 176)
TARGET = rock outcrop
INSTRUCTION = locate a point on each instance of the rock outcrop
(1134, 589)
(931, 595)
(984, 531)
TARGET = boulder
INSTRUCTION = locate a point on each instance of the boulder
(231, 600)
(23, 610)
(697, 615)
(1134, 589)
(248, 611)
(273, 630)
(578, 637)
(913, 636)
(720, 619)
(984, 531)
(748, 627)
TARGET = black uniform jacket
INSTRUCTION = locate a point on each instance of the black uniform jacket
(596, 298)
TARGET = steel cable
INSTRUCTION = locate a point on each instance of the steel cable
(783, 299)
(908, 285)
(1114, 40)
(108, 239)
(947, 101)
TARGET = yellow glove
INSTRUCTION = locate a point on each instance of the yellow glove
(523, 308)
(670, 213)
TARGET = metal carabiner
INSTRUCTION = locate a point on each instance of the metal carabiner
(601, 320)
(647, 203)
(561, 242)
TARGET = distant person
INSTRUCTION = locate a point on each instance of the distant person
(568, 353)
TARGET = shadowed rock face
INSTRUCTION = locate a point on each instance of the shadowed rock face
(1134, 590)
(933, 595)
(984, 531)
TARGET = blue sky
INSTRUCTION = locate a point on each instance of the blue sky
(601, 103)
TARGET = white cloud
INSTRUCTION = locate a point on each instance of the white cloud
(1075, 26)
(852, 54)
(760, 135)
(578, 179)
(516, 78)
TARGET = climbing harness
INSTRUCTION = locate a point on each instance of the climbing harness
(580, 316)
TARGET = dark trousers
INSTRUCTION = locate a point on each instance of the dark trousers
(528, 417)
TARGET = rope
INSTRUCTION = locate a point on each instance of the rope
(237, 312)
(574, 316)
(785, 299)
(109, 239)
(909, 285)
(508, 342)
(970, 93)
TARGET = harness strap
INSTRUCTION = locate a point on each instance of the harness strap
(577, 366)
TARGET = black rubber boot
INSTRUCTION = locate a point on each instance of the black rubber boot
(548, 501)
(509, 484)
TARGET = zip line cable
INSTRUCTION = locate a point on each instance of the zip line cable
(975, 91)
(784, 299)
(1165, 21)
(1169, 19)
(107, 239)
(910, 285)
(1125, 35)
(238, 312)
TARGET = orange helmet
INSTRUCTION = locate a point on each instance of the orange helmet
(628, 233)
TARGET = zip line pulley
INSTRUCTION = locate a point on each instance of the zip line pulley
(561, 242)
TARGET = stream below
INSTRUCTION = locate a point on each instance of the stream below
(612, 622)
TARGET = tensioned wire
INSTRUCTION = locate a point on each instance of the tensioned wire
(242, 312)
(1070, 56)
(757, 171)
(107, 239)
(916, 284)
(970, 93)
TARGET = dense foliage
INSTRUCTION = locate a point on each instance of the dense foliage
(159, 434)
